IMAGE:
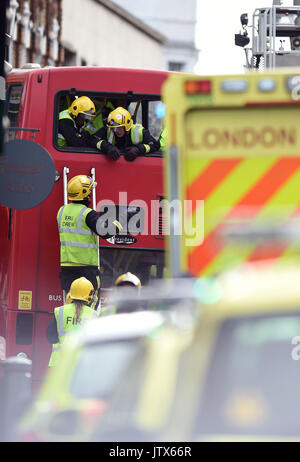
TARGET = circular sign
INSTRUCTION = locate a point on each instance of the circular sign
(27, 174)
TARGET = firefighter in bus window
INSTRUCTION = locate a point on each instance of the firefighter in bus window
(103, 108)
(79, 227)
(126, 285)
(70, 316)
(72, 122)
(122, 135)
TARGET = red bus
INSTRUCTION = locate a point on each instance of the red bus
(29, 241)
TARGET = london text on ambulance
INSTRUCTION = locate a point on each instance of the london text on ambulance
(155, 452)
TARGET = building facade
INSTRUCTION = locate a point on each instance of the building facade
(79, 32)
(101, 33)
(175, 20)
(33, 32)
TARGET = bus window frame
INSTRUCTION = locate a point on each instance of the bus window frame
(132, 97)
(8, 91)
(149, 250)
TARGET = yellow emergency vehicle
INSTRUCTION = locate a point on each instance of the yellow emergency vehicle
(233, 159)
(233, 375)
(76, 391)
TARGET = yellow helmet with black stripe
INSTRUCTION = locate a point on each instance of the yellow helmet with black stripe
(79, 187)
(120, 117)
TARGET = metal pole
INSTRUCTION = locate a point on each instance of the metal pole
(93, 175)
(65, 182)
(174, 195)
(264, 40)
(273, 36)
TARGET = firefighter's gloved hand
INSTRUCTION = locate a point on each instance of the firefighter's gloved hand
(107, 230)
(132, 153)
(107, 148)
(112, 151)
(118, 225)
(85, 135)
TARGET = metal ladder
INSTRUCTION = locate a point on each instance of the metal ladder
(65, 184)
(94, 202)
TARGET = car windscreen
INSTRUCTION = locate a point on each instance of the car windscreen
(100, 367)
(252, 385)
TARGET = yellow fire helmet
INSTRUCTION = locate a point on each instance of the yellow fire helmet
(82, 289)
(128, 278)
(83, 105)
(120, 117)
(79, 187)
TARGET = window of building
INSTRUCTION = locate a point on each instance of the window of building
(175, 66)
(70, 58)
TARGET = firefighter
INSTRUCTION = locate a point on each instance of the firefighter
(79, 227)
(128, 283)
(70, 316)
(72, 122)
(122, 134)
(55, 346)
(128, 280)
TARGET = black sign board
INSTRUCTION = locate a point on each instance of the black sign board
(27, 174)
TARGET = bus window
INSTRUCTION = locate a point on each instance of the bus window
(141, 108)
(13, 109)
(155, 124)
(145, 264)
(135, 110)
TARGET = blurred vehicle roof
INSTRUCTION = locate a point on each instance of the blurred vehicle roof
(260, 285)
(230, 376)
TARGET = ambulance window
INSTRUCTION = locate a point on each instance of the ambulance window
(13, 108)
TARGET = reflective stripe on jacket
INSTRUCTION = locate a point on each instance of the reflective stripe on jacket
(78, 243)
(64, 115)
(162, 138)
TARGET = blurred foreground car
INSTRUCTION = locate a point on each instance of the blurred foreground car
(93, 359)
(233, 376)
(76, 391)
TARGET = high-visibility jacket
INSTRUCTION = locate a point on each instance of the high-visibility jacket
(107, 310)
(64, 115)
(94, 125)
(136, 135)
(66, 322)
(162, 138)
(78, 243)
